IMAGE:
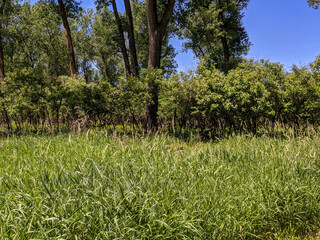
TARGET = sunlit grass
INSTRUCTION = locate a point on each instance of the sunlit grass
(97, 186)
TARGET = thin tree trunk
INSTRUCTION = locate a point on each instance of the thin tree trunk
(121, 39)
(2, 73)
(72, 61)
(224, 41)
(132, 42)
(156, 31)
(225, 47)
(6, 116)
(106, 73)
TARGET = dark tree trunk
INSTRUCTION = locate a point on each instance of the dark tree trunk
(72, 61)
(225, 47)
(132, 41)
(155, 45)
(121, 39)
(2, 73)
(156, 31)
(224, 41)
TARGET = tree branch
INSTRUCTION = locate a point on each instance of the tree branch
(167, 16)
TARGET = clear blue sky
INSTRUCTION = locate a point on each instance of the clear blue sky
(285, 31)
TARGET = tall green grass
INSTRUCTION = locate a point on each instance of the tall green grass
(97, 186)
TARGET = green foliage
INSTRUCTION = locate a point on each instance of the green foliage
(206, 24)
(247, 95)
(314, 3)
(168, 63)
(253, 93)
(177, 97)
(37, 91)
(23, 95)
(107, 52)
(302, 94)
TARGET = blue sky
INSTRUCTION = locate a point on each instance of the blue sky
(285, 31)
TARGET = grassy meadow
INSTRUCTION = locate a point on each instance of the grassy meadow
(95, 185)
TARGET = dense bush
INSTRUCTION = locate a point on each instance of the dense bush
(255, 92)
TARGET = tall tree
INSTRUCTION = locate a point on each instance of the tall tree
(156, 31)
(122, 41)
(223, 37)
(168, 63)
(71, 56)
(132, 42)
(106, 44)
(49, 42)
(2, 73)
(84, 43)
(214, 31)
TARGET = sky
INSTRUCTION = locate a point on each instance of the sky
(285, 31)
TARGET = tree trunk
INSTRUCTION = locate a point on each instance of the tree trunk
(2, 73)
(225, 47)
(106, 73)
(156, 31)
(132, 42)
(72, 61)
(155, 45)
(224, 41)
(6, 117)
(121, 39)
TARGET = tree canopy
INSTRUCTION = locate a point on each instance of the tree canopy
(62, 65)
(314, 3)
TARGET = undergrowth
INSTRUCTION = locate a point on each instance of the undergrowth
(94, 185)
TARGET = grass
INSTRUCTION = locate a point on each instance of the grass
(97, 186)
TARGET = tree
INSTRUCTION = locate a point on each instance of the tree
(224, 41)
(72, 60)
(47, 40)
(215, 31)
(314, 3)
(156, 31)
(168, 53)
(84, 43)
(132, 42)
(122, 41)
(129, 28)
(2, 73)
(106, 45)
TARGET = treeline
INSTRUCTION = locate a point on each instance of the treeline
(253, 94)
(62, 66)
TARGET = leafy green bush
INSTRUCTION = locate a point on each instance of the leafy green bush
(255, 93)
